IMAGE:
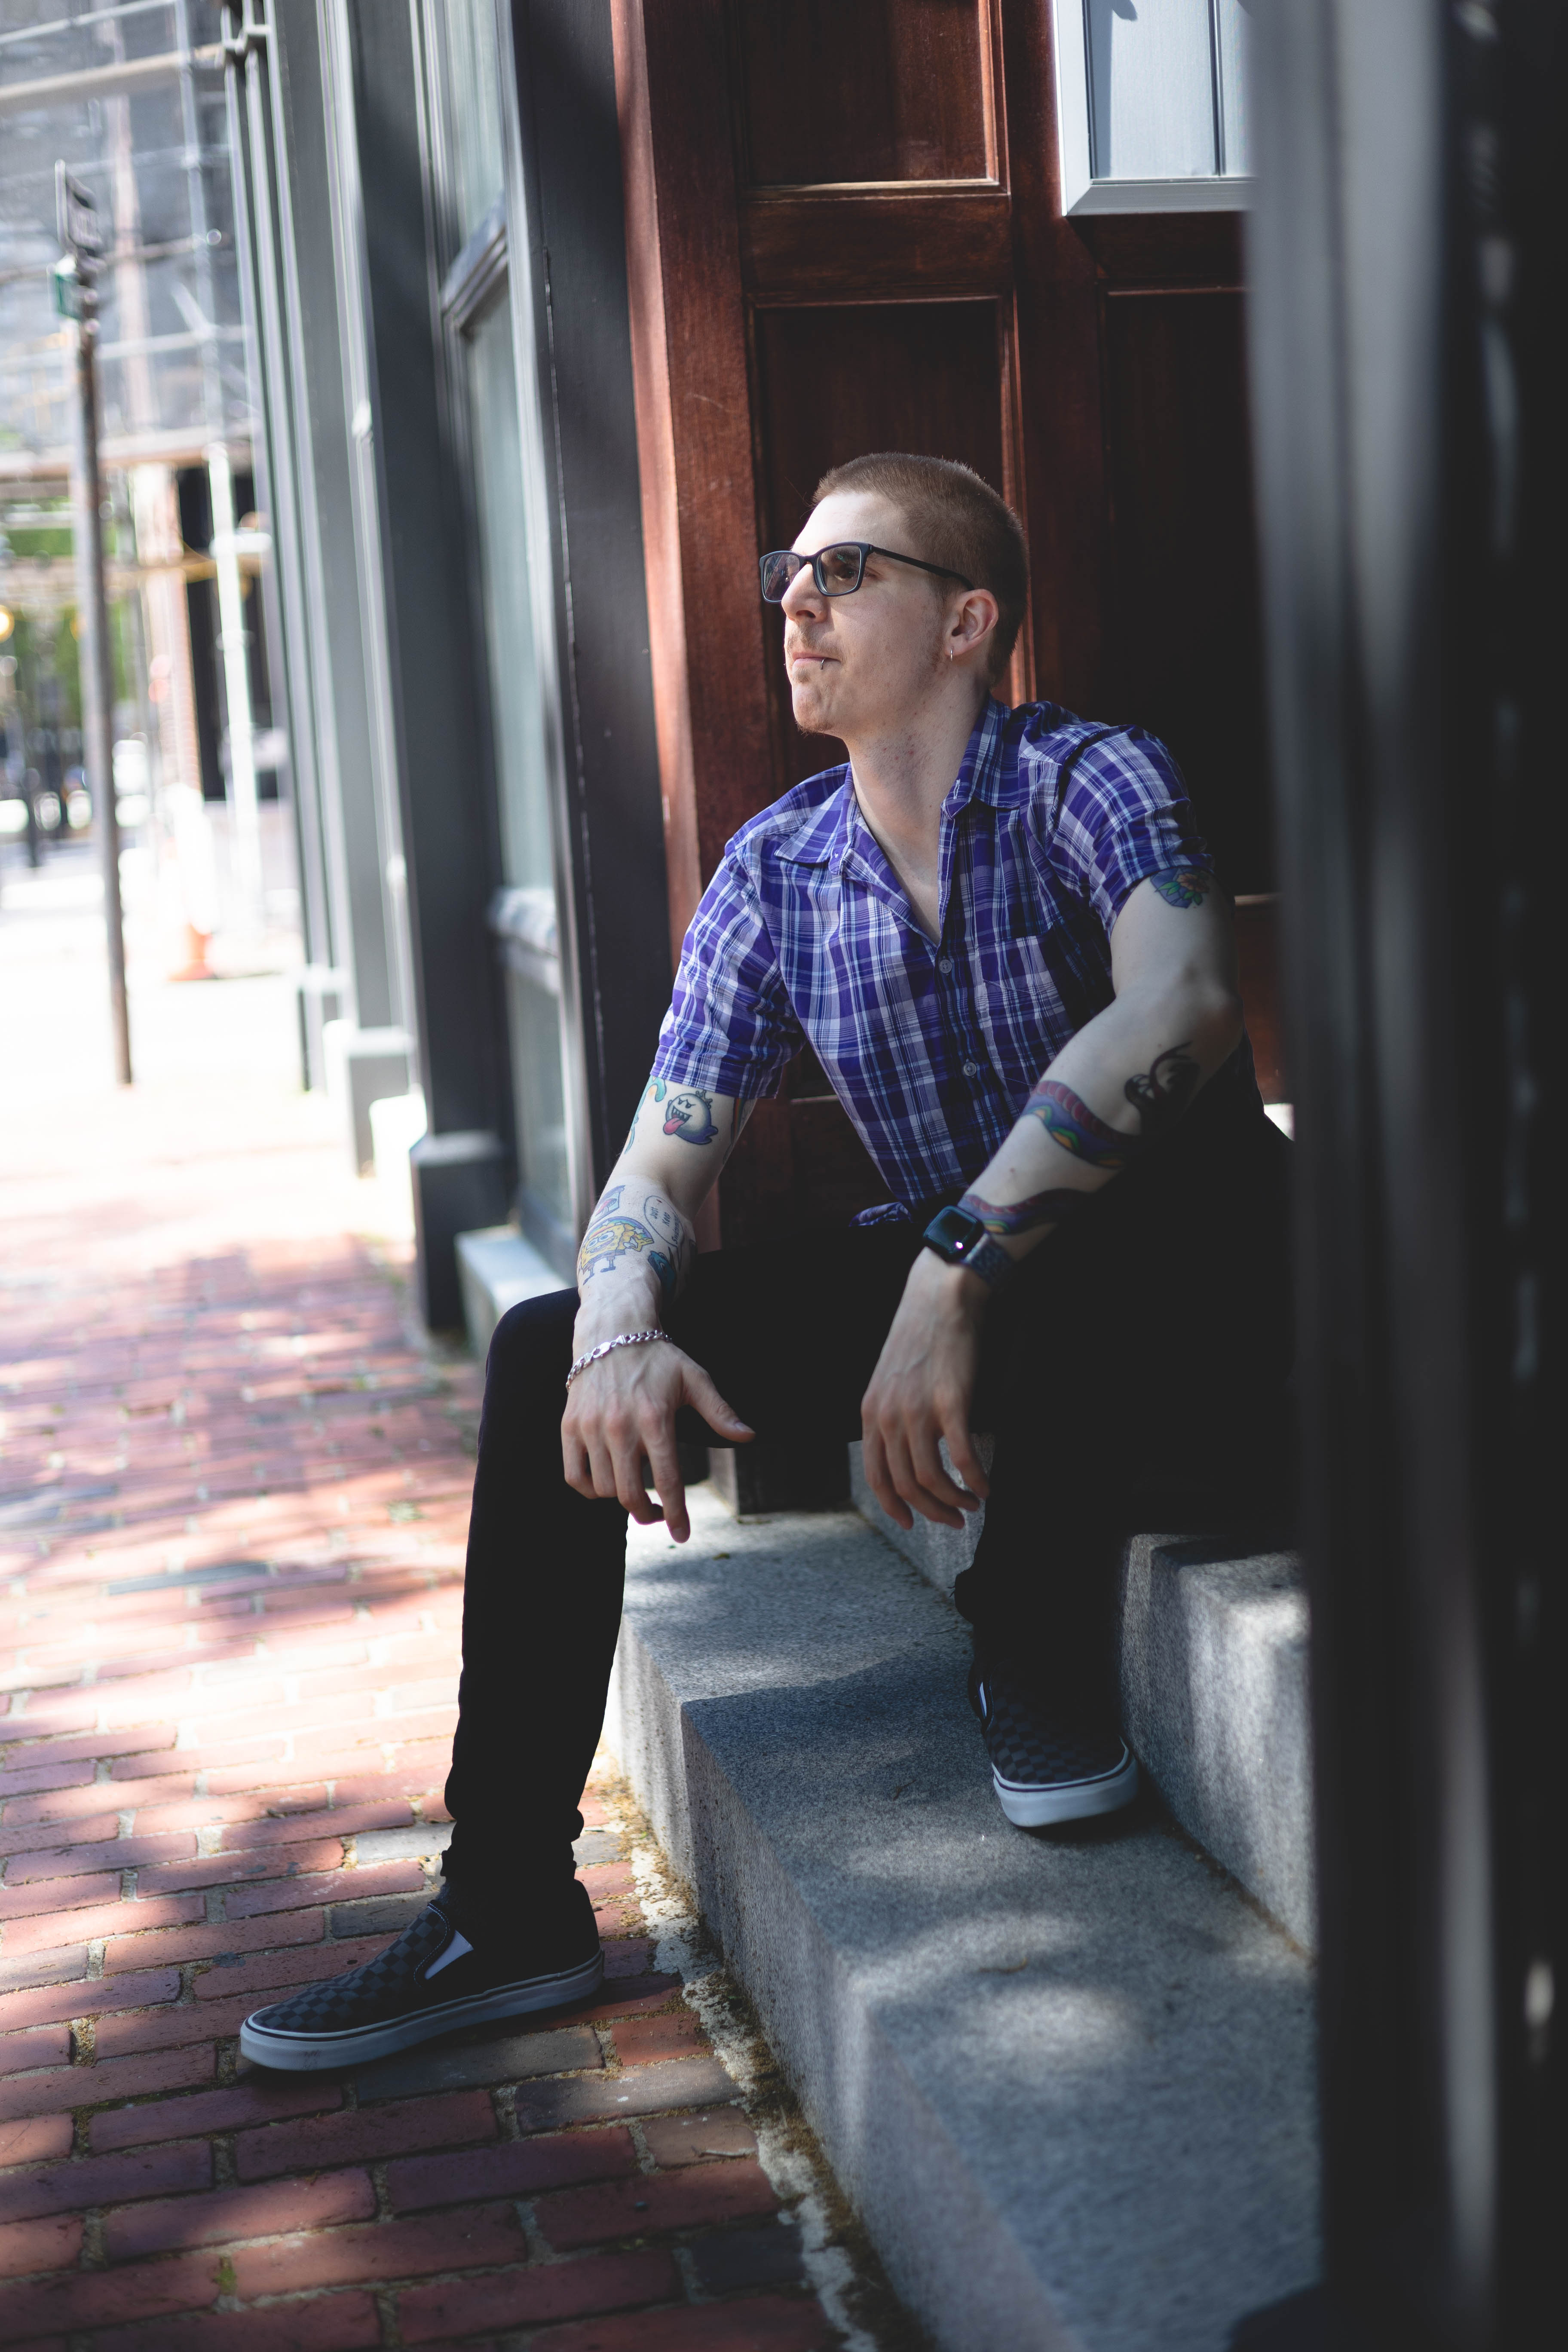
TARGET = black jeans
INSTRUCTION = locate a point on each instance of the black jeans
(1134, 1367)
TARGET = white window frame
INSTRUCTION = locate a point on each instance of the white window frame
(1082, 193)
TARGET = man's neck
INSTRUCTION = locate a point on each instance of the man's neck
(902, 774)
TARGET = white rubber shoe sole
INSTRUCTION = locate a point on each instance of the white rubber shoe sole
(1034, 1807)
(302, 2054)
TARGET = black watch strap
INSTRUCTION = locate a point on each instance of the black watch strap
(958, 1236)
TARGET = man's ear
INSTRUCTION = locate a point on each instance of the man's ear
(974, 621)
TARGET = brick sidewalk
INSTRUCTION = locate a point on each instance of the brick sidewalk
(233, 1498)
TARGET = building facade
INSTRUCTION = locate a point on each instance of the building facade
(437, 276)
(562, 309)
(131, 99)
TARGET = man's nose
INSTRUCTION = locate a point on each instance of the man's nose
(803, 599)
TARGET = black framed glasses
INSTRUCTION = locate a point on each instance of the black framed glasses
(839, 569)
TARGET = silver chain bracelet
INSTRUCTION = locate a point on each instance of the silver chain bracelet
(621, 1339)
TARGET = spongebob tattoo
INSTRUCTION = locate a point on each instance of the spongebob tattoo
(647, 1228)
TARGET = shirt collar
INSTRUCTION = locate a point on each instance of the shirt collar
(986, 773)
(836, 836)
(825, 832)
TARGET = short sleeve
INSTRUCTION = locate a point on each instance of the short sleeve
(1124, 816)
(731, 1029)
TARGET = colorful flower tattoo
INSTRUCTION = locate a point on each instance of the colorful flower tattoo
(1186, 887)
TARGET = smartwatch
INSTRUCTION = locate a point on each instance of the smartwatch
(960, 1237)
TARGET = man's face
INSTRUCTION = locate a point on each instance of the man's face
(859, 665)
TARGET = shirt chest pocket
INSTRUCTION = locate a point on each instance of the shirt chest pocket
(1020, 974)
(1072, 954)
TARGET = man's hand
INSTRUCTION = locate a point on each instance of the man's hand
(920, 1391)
(619, 1425)
(618, 1428)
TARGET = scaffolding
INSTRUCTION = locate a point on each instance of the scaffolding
(131, 99)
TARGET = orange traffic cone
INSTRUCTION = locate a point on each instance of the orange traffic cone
(195, 966)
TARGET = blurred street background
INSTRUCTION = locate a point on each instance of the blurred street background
(130, 101)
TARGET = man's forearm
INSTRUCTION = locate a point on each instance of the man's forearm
(640, 1242)
(1124, 1081)
(635, 1259)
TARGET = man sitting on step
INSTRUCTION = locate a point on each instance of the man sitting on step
(1002, 938)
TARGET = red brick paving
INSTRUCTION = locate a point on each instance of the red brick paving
(200, 1369)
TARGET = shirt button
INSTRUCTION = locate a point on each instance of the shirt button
(972, 1069)
(945, 965)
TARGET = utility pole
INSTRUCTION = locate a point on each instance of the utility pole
(76, 298)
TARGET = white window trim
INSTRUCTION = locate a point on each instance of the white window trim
(1081, 192)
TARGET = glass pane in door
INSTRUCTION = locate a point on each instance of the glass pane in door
(473, 110)
(1151, 97)
(518, 730)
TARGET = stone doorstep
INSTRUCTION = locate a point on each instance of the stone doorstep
(497, 1269)
(1066, 2081)
(1216, 1702)
(1215, 1699)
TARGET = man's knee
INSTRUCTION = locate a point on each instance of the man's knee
(532, 1341)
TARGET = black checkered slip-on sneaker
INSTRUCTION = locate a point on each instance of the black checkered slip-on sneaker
(430, 1981)
(1045, 1768)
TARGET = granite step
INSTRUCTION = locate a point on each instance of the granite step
(1214, 1696)
(1066, 2079)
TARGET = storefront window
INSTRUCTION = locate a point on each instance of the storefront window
(479, 298)
(474, 110)
(528, 912)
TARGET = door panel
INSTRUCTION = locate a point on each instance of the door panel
(833, 382)
(1184, 654)
(880, 89)
(806, 245)
(1180, 646)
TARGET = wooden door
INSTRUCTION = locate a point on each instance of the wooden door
(844, 234)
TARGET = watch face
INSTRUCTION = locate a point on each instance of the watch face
(959, 1231)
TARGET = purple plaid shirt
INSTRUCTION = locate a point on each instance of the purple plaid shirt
(805, 937)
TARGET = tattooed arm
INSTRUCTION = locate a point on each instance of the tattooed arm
(1122, 1083)
(1129, 1074)
(642, 1237)
(636, 1256)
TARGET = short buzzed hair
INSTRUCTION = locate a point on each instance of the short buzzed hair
(956, 519)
